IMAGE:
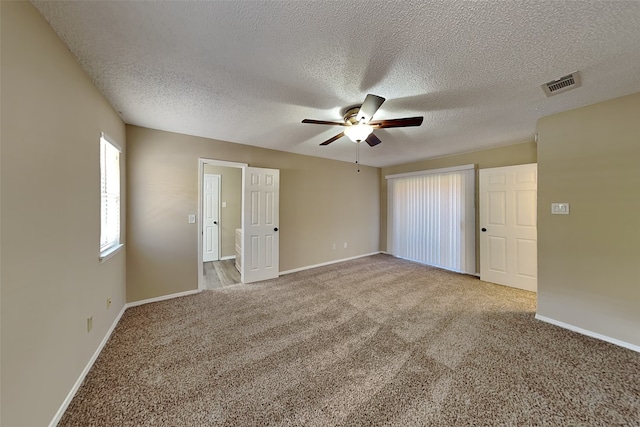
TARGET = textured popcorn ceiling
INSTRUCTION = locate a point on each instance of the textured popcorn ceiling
(250, 71)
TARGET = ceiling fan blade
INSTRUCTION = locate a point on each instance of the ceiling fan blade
(397, 123)
(369, 107)
(323, 122)
(373, 140)
(330, 140)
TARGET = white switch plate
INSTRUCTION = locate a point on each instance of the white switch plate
(224, 204)
(560, 208)
(192, 219)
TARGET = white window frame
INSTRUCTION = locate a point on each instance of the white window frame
(110, 243)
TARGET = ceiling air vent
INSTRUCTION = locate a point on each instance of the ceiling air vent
(563, 84)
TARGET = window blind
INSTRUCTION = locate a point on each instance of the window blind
(110, 195)
(431, 218)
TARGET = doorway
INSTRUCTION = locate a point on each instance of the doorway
(220, 207)
(252, 244)
(221, 273)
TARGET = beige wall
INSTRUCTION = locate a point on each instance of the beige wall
(589, 274)
(517, 154)
(231, 215)
(322, 202)
(52, 280)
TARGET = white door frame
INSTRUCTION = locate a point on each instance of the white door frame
(201, 163)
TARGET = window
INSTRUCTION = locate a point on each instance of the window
(431, 217)
(109, 197)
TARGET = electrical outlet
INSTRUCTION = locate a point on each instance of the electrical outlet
(345, 245)
(108, 303)
(89, 323)
(334, 246)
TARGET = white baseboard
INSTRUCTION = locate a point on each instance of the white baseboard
(162, 298)
(224, 258)
(85, 371)
(588, 333)
(67, 401)
(308, 267)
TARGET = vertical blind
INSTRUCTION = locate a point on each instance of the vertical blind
(110, 195)
(431, 218)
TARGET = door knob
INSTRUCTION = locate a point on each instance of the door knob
(484, 229)
(275, 229)
(215, 222)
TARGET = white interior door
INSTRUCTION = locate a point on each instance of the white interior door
(211, 218)
(508, 226)
(260, 222)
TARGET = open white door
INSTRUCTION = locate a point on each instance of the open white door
(211, 220)
(260, 222)
(508, 226)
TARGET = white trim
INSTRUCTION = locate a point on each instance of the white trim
(224, 258)
(108, 253)
(588, 333)
(431, 171)
(112, 243)
(67, 401)
(111, 141)
(223, 163)
(308, 267)
(162, 298)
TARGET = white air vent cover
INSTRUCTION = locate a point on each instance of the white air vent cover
(563, 84)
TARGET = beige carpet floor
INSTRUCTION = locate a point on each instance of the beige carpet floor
(373, 341)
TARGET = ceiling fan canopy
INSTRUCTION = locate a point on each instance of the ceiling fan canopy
(358, 123)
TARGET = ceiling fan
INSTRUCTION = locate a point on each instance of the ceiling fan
(358, 124)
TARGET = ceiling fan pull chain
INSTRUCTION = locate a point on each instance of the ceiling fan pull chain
(358, 155)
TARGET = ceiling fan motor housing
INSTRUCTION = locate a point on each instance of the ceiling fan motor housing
(351, 115)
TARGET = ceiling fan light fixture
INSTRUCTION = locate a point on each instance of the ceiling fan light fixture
(357, 122)
(358, 133)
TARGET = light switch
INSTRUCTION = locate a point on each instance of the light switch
(192, 219)
(224, 204)
(560, 208)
